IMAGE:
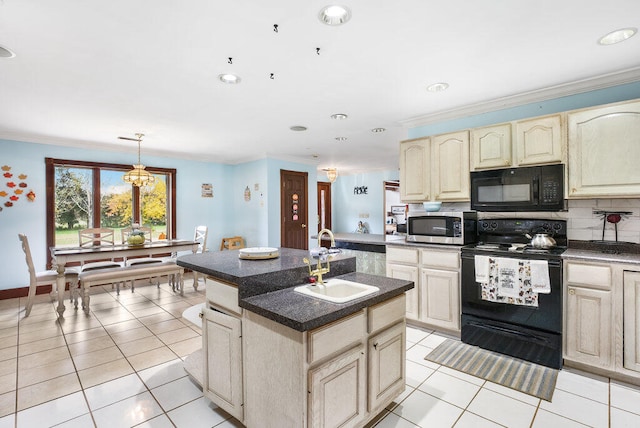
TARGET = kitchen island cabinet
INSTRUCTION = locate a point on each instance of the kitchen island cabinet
(298, 361)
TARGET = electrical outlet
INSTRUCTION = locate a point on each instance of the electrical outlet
(364, 215)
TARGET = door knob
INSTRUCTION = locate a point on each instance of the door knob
(303, 225)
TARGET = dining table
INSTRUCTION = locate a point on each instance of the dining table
(62, 256)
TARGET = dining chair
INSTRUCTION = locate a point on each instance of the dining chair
(200, 235)
(47, 277)
(147, 233)
(97, 236)
(232, 243)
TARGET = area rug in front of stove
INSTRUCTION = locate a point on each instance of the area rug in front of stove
(524, 376)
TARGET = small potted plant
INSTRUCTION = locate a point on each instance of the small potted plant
(136, 237)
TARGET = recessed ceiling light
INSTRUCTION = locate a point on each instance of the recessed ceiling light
(6, 53)
(437, 87)
(341, 138)
(376, 130)
(339, 116)
(298, 128)
(334, 15)
(617, 36)
(229, 78)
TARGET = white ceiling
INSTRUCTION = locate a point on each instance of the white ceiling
(86, 72)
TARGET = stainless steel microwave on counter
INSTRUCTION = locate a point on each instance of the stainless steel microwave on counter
(455, 228)
(535, 188)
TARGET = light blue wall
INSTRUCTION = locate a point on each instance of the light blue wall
(587, 99)
(346, 207)
(226, 214)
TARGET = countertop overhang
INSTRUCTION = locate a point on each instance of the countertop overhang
(266, 286)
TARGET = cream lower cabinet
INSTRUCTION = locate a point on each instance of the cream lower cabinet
(435, 300)
(604, 148)
(340, 375)
(589, 322)
(631, 293)
(222, 380)
(222, 353)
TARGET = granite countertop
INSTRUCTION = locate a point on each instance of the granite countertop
(363, 238)
(266, 286)
(603, 251)
(302, 313)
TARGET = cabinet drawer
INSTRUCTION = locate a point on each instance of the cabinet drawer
(596, 276)
(402, 255)
(223, 295)
(386, 313)
(440, 259)
(336, 336)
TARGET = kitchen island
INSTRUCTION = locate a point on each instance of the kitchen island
(273, 357)
(368, 248)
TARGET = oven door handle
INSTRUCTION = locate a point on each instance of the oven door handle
(511, 332)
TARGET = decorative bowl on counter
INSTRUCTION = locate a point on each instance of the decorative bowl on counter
(432, 206)
(258, 253)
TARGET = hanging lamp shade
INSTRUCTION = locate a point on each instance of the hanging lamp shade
(138, 176)
(332, 174)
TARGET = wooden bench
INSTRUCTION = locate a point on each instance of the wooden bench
(126, 273)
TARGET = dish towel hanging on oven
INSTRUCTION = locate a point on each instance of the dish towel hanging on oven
(511, 281)
(540, 276)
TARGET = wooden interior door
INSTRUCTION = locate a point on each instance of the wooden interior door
(294, 232)
(324, 205)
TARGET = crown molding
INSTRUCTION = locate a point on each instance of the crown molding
(558, 91)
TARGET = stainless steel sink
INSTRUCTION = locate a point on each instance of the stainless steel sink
(337, 290)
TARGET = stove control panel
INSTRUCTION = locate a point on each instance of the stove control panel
(522, 226)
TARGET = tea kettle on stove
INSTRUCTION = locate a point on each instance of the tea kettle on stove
(541, 240)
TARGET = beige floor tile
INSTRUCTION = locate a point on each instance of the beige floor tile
(35, 318)
(151, 358)
(96, 358)
(130, 335)
(46, 391)
(179, 335)
(105, 372)
(116, 319)
(8, 382)
(156, 318)
(123, 326)
(105, 305)
(186, 347)
(129, 298)
(140, 346)
(6, 335)
(7, 403)
(89, 334)
(140, 313)
(91, 345)
(8, 353)
(80, 322)
(41, 345)
(36, 326)
(9, 366)
(46, 372)
(42, 358)
(44, 333)
(164, 326)
(141, 305)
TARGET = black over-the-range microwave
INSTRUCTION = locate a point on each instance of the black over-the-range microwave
(535, 188)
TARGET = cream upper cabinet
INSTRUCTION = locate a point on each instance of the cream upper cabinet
(450, 163)
(415, 170)
(631, 293)
(491, 147)
(604, 149)
(540, 141)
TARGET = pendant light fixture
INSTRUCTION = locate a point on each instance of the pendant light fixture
(138, 176)
(332, 174)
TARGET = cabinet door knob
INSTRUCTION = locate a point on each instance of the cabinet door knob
(572, 291)
(201, 315)
(375, 346)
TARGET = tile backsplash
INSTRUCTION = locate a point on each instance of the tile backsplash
(582, 223)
